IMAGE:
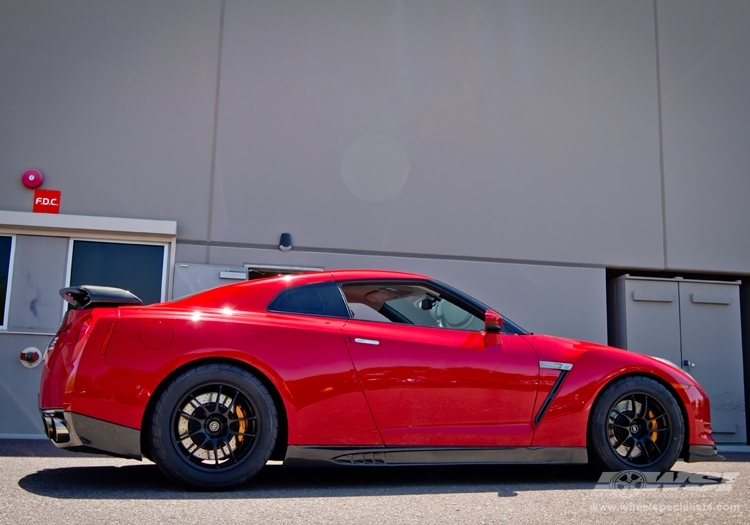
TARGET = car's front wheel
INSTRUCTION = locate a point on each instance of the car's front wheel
(635, 424)
(213, 427)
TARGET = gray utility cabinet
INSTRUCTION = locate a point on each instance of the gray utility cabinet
(694, 324)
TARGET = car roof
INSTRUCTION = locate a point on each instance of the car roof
(356, 275)
(263, 290)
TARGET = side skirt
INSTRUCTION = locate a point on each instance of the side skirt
(313, 456)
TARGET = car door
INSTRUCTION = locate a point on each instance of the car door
(429, 383)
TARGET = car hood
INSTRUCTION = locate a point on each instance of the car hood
(607, 360)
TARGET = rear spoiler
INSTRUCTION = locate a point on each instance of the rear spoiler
(89, 296)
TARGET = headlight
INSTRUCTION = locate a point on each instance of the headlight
(670, 363)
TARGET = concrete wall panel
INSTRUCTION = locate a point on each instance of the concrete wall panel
(705, 79)
(19, 386)
(521, 130)
(114, 102)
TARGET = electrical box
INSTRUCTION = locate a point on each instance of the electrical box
(694, 324)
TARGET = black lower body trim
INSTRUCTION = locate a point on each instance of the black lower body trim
(312, 456)
(79, 433)
(698, 453)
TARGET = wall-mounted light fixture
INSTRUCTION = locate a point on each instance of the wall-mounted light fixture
(285, 242)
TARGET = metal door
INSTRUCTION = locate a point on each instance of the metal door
(653, 318)
(712, 352)
(694, 324)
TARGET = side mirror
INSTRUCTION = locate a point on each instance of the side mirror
(493, 322)
(493, 325)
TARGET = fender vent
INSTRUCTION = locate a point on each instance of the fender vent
(368, 458)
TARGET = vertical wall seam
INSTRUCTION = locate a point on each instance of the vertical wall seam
(212, 175)
(679, 322)
(661, 139)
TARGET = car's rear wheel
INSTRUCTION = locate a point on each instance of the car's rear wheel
(635, 424)
(213, 427)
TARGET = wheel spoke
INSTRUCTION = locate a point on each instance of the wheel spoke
(623, 415)
(218, 401)
(197, 404)
(236, 433)
(644, 448)
(186, 436)
(622, 442)
(655, 418)
(190, 416)
(626, 427)
(234, 401)
(635, 409)
(658, 450)
(231, 452)
(198, 447)
(233, 420)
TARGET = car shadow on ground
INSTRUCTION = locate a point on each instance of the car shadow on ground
(145, 481)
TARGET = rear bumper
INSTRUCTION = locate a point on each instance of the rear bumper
(698, 453)
(79, 433)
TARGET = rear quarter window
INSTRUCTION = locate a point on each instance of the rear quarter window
(322, 299)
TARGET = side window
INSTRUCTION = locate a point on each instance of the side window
(5, 246)
(408, 304)
(138, 268)
(316, 299)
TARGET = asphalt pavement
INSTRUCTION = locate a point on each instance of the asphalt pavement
(45, 485)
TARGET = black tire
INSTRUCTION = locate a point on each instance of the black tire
(213, 427)
(635, 424)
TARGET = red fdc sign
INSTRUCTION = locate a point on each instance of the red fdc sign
(46, 201)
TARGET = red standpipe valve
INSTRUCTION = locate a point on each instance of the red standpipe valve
(31, 357)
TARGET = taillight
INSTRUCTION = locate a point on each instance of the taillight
(85, 326)
(67, 318)
(50, 347)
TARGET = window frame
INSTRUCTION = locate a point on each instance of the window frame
(345, 303)
(165, 274)
(466, 302)
(9, 286)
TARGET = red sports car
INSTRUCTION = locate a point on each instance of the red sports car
(352, 367)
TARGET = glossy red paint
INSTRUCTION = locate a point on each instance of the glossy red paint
(595, 366)
(433, 386)
(416, 386)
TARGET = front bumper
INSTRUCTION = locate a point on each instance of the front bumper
(698, 453)
(79, 433)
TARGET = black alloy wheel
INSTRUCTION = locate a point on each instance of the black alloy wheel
(638, 428)
(213, 427)
(635, 424)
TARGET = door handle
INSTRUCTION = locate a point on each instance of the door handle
(366, 341)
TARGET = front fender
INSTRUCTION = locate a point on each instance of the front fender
(594, 367)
